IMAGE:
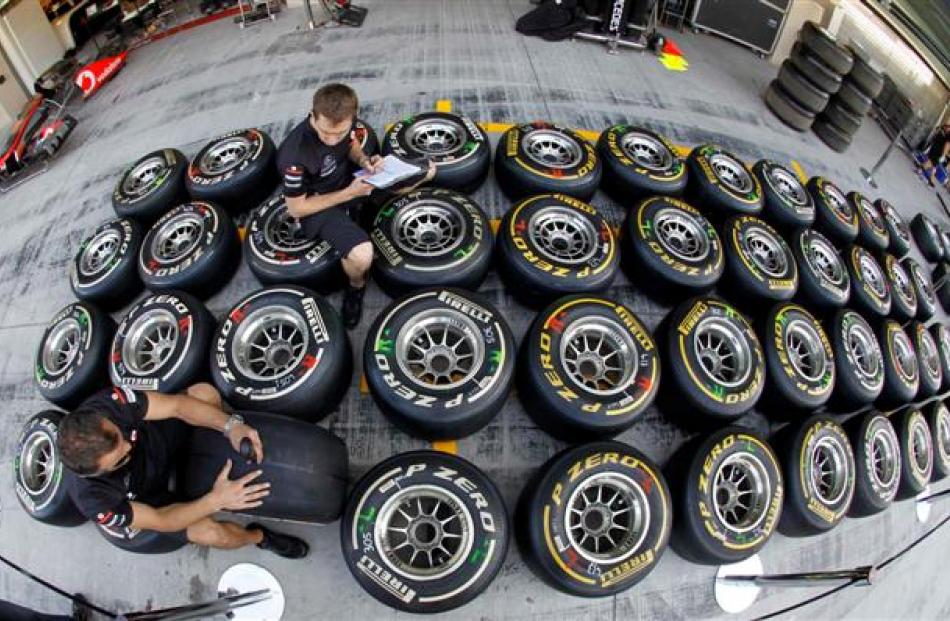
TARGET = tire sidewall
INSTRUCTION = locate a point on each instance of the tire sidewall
(801, 392)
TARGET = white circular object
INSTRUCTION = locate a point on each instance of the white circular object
(923, 506)
(735, 597)
(247, 578)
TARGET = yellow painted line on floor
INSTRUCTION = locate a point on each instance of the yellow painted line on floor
(587, 134)
(446, 446)
(364, 387)
(682, 150)
(799, 171)
(495, 224)
(443, 105)
(496, 128)
(242, 233)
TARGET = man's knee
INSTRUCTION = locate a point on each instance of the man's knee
(205, 392)
(361, 256)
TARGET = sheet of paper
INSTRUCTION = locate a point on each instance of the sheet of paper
(394, 171)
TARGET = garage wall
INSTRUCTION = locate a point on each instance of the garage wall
(29, 39)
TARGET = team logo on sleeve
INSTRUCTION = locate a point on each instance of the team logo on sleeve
(110, 519)
(123, 395)
(293, 177)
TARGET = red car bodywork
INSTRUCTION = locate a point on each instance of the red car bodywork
(38, 133)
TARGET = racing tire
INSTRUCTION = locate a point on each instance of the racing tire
(864, 75)
(819, 474)
(897, 231)
(928, 360)
(786, 108)
(193, 248)
(941, 335)
(587, 368)
(103, 271)
(942, 284)
(815, 69)
(305, 465)
(150, 186)
(235, 170)
(923, 287)
(870, 292)
(162, 344)
(41, 481)
(927, 237)
(671, 247)
(639, 163)
(788, 205)
(853, 98)
(802, 89)
(760, 265)
(428, 387)
(859, 361)
(799, 360)
(277, 252)
(872, 230)
(706, 392)
(553, 542)
(70, 362)
(704, 530)
(543, 158)
(918, 453)
(451, 497)
(822, 44)
(938, 419)
(841, 117)
(903, 294)
(823, 280)
(877, 458)
(141, 541)
(722, 182)
(832, 135)
(431, 238)
(833, 215)
(901, 366)
(459, 149)
(553, 245)
(282, 349)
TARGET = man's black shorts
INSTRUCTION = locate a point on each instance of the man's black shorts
(336, 225)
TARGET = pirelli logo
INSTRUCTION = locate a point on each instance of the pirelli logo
(385, 579)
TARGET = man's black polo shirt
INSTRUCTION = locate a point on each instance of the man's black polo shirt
(308, 166)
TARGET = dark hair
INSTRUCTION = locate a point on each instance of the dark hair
(336, 102)
(83, 439)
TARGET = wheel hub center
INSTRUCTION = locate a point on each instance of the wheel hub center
(596, 520)
(425, 533)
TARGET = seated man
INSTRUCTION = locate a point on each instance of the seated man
(316, 161)
(937, 155)
(124, 446)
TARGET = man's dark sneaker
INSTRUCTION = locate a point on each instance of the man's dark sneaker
(352, 305)
(281, 545)
(80, 612)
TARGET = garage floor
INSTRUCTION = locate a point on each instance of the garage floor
(182, 90)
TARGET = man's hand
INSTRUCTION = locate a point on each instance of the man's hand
(373, 164)
(358, 188)
(238, 494)
(430, 172)
(243, 430)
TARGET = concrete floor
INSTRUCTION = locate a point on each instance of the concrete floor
(181, 91)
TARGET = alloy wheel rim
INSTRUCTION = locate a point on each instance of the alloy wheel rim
(681, 235)
(177, 237)
(864, 351)
(805, 350)
(647, 151)
(99, 252)
(904, 357)
(731, 172)
(830, 470)
(430, 229)
(424, 532)
(551, 148)
(270, 343)
(140, 178)
(607, 518)
(283, 232)
(149, 342)
(788, 186)
(823, 260)
(563, 235)
(765, 250)
(723, 352)
(741, 492)
(61, 346)
(599, 355)
(884, 458)
(37, 463)
(224, 156)
(435, 137)
(872, 274)
(440, 349)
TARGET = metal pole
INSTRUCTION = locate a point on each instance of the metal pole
(869, 175)
(861, 576)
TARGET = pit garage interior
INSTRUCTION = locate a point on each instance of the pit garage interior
(464, 56)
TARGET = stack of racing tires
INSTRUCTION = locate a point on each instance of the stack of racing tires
(790, 298)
